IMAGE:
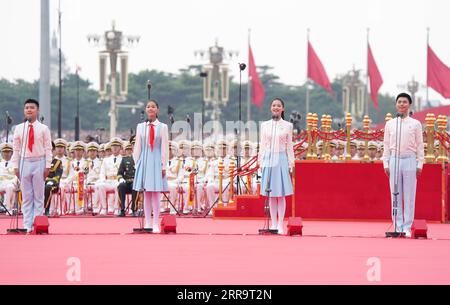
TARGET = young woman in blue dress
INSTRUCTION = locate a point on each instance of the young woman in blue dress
(151, 155)
(276, 159)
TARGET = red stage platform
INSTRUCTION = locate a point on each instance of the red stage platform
(352, 191)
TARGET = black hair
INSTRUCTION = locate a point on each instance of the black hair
(31, 101)
(53, 145)
(282, 103)
(154, 101)
(405, 95)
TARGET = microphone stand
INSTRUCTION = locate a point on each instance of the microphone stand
(18, 230)
(266, 229)
(242, 67)
(8, 124)
(398, 137)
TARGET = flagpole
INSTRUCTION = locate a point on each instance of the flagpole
(428, 45)
(366, 104)
(307, 79)
(249, 96)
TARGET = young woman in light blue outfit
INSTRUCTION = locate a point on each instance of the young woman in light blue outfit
(151, 155)
(276, 159)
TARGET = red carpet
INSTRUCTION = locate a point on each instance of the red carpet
(208, 251)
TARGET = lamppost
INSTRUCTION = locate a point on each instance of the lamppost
(413, 87)
(77, 118)
(113, 40)
(216, 78)
(203, 75)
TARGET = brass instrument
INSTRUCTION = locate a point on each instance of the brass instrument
(220, 167)
(191, 184)
(231, 170)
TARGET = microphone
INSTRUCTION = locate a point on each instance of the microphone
(399, 115)
(188, 119)
(41, 119)
(149, 87)
(142, 115)
(275, 117)
(242, 66)
(28, 118)
(8, 118)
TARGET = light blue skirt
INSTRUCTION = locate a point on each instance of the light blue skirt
(150, 178)
(280, 180)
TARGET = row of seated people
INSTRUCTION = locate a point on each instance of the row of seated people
(98, 179)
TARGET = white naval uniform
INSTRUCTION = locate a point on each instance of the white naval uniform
(62, 183)
(71, 183)
(199, 181)
(212, 188)
(91, 178)
(8, 184)
(203, 165)
(108, 182)
(174, 179)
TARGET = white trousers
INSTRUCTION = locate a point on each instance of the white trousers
(33, 187)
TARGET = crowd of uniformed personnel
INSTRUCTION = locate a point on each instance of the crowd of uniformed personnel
(97, 179)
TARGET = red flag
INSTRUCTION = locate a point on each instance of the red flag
(316, 71)
(438, 74)
(257, 86)
(375, 77)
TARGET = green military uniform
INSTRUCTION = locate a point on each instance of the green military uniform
(52, 182)
(126, 172)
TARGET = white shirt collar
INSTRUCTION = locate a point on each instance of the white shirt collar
(155, 122)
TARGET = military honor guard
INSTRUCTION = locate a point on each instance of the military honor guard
(125, 176)
(94, 164)
(108, 181)
(75, 183)
(372, 150)
(52, 183)
(174, 179)
(8, 178)
(212, 189)
(183, 188)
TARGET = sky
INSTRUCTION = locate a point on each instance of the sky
(172, 30)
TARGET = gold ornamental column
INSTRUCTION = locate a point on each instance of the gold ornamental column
(442, 127)
(366, 122)
(429, 129)
(348, 126)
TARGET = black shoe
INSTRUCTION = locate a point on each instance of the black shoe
(122, 214)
